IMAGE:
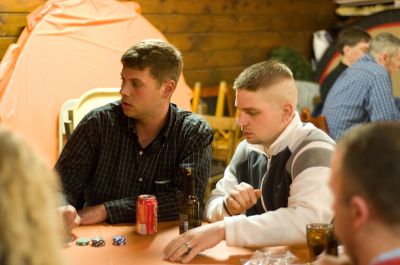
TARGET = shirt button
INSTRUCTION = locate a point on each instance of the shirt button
(140, 153)
(140, 179)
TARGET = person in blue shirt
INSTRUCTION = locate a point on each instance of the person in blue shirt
(363, 93)
(352, 43)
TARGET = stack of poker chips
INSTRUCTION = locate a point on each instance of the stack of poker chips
(98, 241)
(119, 240)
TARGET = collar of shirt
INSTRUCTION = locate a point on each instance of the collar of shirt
(388, 255)
(367, 58)
(286, 138)
(168, 126)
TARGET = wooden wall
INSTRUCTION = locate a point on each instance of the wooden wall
(218, 38)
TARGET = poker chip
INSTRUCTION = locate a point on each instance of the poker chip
(82, 241)
(119, 240)
(98, 241)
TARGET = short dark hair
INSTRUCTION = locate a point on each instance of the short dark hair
(351, 36)
(163, 59)
(371, 167)
(263, 74)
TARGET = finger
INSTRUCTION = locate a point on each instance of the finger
(77, 220)
(250, 196)
(239, 199)
(179, 253)
(190, 255)
(233, 206)
(174, 245)
(255, 195)
(170, 248)
(246, 191)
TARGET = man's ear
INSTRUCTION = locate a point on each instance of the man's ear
(346, 49)
(383, 58)
(287, 111)
(169, 88)
(359, 211)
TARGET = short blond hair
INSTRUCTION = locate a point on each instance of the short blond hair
(262, 75)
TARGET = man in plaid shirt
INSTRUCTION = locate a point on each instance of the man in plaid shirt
(137, 145)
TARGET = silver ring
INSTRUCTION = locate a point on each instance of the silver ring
(187, 247)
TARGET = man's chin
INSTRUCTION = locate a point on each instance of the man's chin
(253, 141)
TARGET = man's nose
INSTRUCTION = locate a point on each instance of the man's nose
(123, 91)
(241, 120)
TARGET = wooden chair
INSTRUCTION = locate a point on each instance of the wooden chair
(222, 93)
(73, 110)
(223, 146)
(319, 122)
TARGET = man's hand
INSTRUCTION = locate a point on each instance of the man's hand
(70, 216)
(241, 198)
(93, 214)
(186, 246)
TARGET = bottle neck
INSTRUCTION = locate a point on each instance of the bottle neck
(189, 185)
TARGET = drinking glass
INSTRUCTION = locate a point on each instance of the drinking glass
(316, 239)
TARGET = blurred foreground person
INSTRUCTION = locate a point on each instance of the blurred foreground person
(366, 186)
(278, 179)
(31, 230)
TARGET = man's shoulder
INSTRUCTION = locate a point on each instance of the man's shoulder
(310, 137)
(191, 121)
(367, 69)
(314, 149)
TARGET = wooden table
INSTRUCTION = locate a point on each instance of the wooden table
(145, 250)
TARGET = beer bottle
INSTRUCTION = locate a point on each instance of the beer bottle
(331, 246)
(189, 209)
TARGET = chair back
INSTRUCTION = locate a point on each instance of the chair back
(92, 99)
(223, 93)
(73, 110)
(319, 122)
(224, 142)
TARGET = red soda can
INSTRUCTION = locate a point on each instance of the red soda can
(146, 214)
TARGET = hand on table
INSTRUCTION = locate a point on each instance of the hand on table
(93, 214)
(241, 198)
(187, 245)
(70, 216)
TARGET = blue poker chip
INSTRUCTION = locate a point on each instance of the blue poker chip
(119, 240)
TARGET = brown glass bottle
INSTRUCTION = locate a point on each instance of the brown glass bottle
(331, 246)
(189, 209)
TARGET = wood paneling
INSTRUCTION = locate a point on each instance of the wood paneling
(12, 24)
(20, 6)
(218, 38)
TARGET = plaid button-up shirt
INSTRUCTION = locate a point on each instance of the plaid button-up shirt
(104, 163)
(362, 93)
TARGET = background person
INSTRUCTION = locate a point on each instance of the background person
(283, 161)
(31, 231)
(352, 43)
(363, 93)
(137, 145)
(366, 186)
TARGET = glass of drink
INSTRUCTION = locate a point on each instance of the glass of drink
(316, 239)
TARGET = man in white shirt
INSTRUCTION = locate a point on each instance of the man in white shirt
(277, 181)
